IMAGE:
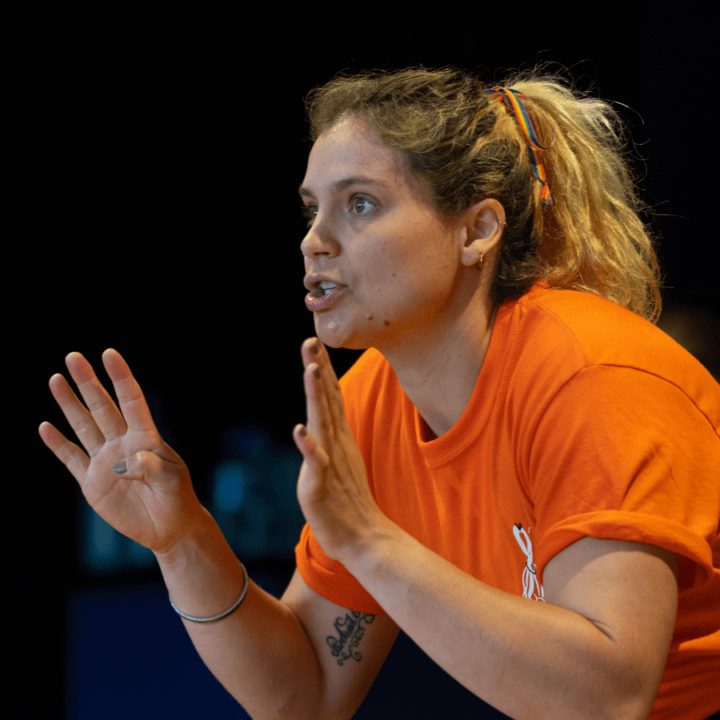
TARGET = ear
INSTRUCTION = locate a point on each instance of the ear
(483, 228)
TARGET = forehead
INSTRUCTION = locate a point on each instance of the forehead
(352, 148)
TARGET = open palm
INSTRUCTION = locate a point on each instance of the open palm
(152, 501)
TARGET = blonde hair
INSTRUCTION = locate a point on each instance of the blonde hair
(467, 146)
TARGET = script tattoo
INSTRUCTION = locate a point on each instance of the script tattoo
(350, 630)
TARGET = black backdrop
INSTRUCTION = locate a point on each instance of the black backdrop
(158, 214)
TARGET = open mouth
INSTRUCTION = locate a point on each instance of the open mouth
(323, 288)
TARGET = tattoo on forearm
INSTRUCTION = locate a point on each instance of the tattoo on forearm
(350, 630)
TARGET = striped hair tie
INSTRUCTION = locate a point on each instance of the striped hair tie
(512, 98)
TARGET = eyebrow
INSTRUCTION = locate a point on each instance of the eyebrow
(344, 183)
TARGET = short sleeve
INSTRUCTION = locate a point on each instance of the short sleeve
(623, 454)
(330, 578)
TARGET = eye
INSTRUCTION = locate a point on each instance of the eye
(360, 205)
(309, 211)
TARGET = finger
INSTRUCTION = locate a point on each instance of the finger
(332, 421)
(310, 350)
(315, 350)
(326, 416)
(104, 411)
(142, 465)
(316, 458)
(318, 418)
(81, 421)
(132, 401)
(69, 454)
(333, 393)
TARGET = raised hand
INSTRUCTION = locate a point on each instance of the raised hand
(152, 500)
(332, 488)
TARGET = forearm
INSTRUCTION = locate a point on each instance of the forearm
(260, 653)
(528, 659)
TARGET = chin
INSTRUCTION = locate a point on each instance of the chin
(335, 334)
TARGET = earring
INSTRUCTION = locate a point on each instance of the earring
(479, 263)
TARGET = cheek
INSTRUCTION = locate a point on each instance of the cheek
(401, 291)
(395, 257)
(409, 267)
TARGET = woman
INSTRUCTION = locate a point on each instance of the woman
(520, 472)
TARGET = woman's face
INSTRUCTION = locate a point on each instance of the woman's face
(375, 235)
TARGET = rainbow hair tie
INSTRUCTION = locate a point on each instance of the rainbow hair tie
(512, 98)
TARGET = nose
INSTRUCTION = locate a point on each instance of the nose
(319, 241)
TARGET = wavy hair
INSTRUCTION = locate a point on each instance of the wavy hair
(466, 146)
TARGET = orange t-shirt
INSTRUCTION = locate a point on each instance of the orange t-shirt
(586, 420)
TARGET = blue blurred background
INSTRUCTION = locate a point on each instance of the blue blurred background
(161, 163)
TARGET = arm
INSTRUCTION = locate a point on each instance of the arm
(596, 649)
(271, 655)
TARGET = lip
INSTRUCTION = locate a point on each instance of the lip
(323, 302)
(312, 280)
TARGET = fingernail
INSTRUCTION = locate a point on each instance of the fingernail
(120, 468)
(303, 431)
(316, 372)
(315, 347)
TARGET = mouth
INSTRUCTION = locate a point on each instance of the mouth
(323, 288)
(323, 298)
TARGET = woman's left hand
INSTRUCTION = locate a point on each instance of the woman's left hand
(332, 489)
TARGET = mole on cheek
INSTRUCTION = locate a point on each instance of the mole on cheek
(393, 274)
(386, 323)
(369, 317)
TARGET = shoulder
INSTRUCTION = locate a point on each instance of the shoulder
(603, 331)
(559, 333)
(607, 332)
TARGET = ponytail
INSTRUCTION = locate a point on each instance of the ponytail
(592, 236)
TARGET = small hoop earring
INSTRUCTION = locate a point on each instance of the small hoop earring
(479, 263)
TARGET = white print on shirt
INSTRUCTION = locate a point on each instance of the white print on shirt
(531, 585)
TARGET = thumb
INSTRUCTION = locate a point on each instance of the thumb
(142, 464)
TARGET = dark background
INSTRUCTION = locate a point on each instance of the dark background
(158, 214)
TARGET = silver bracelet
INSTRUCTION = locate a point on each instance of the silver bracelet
(222, 615)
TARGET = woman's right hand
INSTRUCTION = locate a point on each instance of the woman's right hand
(153, 502)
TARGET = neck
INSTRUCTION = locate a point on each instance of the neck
(439, 374)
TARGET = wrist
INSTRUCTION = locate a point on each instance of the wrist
(200, 533)
(369, 549)
(202, 573)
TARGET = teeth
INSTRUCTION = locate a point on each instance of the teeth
(326, 286)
